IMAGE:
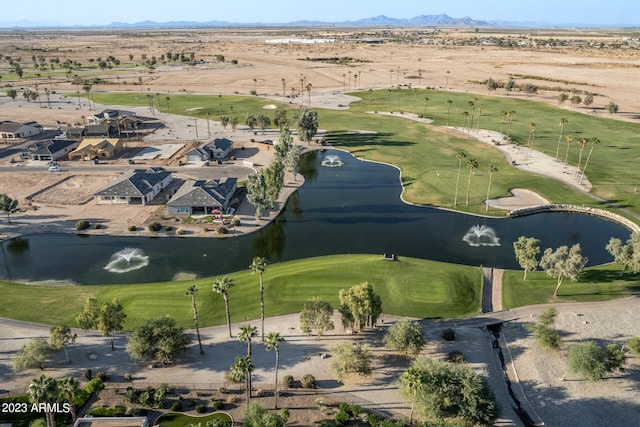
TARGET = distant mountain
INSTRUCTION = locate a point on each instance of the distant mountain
(441, 20)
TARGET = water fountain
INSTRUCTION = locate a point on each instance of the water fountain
(481, 235)
(127, 259)
(332, 161)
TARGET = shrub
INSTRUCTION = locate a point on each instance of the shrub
(287, 381)
(155, 226)
(94, 385)
(456, 356)
(128, 377)
(83, 224)
(97, 226)
(132, 228)
(342, 418)
(102, 375)
(222, 390)
(344, 407)
(236, 222)
(231, 400)
(217, 405)
(449, 334)
(168, 228)
(116, 411)
(308, 381)
(200, 409)
(222, 230)
(253, 92)
(356, 410)
(176, 407)
(87, 374)
(180, 231)
(191, 403)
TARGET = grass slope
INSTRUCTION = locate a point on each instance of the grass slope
(408, 287)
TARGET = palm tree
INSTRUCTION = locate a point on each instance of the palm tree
(503, 114)
(44, 389)
(563, 121)
(449, 102)
(569, 139)
(245, 334)
(273, 342)
(259, 265)
(69, 389)
(461, 155)
(191, 292)
(415, 97)
(492, 168)
(466, 121)
(413, 380)
(370, 92)
(472, 164)
(284, 88)
(532, 135)
(426, 100)
(222, 286)
(166, 98)
(247, 331)
(510, 115)
(241, 370)
(582, 143)
(594, 141)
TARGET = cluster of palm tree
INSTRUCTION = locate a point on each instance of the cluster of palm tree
(243, 366)
(581, 144)
(45, 390)
(472, 165)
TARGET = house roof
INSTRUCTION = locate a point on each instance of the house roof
(98, 143)
(50, 146)
(13, 126)
(109, 113)
(135, 183)
(204, 193)
(98, 129)
(221, 144)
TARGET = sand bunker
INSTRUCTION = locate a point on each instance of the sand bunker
(520, 198)
(269, 107)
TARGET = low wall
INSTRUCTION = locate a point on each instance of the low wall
(580, 209)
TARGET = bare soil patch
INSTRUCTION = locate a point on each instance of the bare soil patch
(73, 190)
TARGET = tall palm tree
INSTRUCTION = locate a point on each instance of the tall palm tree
(466, 121)
(415, 97)
(449, 102)
(44, 389)
(259, 265)
(510, 115)
(191, 292)
(492, 169)
(582, 144)
(247, 331)
(69, 389)
(594, 141)
(273, 342)
(461, 155)
(221, 286)
(472, 164)
(242, 369)
(426, 100)
(284, 88)
(532, 135)
(412, 378)
(563, 121)
(370, 92)
(569, 139)
(166, 98)
(503, 114)
(245, 334)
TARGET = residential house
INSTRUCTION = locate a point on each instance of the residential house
(14, 130)
(217, 149)
(101, 131)
(203, 197)
(136, 187)
(102, 148)
(50, 149)
(108, 116)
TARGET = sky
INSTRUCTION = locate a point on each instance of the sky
(75, 12)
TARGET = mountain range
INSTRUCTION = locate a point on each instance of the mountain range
(441, 20)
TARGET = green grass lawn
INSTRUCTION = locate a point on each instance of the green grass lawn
(408, 287)
(600, 283)
(174, 419)
(427, 156)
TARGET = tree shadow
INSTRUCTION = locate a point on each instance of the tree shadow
(349, 139)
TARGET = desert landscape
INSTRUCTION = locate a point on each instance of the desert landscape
(318, 75)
